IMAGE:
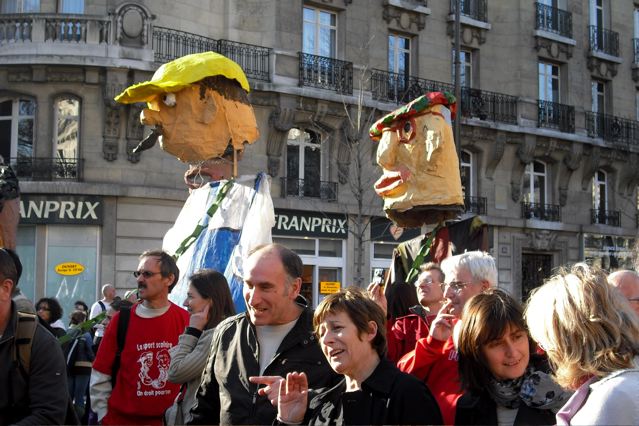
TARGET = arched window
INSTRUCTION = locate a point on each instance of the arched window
(535, 179)
(600, 191)
(303, 163)
(468, 184)
(16, 127)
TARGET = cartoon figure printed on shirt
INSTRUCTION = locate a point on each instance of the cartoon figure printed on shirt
(146, 362)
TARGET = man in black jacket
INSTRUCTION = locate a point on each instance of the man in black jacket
(274, 337)
(32, 386)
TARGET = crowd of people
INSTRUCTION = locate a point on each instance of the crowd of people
(469, 353)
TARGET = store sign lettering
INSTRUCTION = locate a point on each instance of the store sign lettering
(45, 209)
(315, 225)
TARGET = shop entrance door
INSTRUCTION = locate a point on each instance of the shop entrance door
(534, 269)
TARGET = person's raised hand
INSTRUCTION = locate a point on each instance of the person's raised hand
(442, 326)
(376, 292)
(199, 319)
(271, 387)
(292, 398)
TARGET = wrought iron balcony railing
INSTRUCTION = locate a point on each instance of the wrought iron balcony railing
(603, 40)
(326, 73)
(487, 105)
(294, 187)
(553, 20)
(547, 212)
(402, 88)
(169, 44)
(617, 132)
(635, 45)
(65, 28)
(556, 116)
(605, 217)
(475, 9)
(47, 169)
(475, 205)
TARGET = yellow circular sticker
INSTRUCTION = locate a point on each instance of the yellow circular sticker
(69, 268)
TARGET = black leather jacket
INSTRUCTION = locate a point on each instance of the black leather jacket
(226, 396)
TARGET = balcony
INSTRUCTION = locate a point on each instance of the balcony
(604, 41)
(487, 105)
(401, 88)
(547, 212)
(553, 20)
(169, 44)
(605, 217)
(47, 169)
(325, 73)
(293, 187)
(474, 9)
(556, 116)
(617, 132)
(65, 28)
(476, 205)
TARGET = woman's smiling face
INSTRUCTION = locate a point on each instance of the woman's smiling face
(507, 356)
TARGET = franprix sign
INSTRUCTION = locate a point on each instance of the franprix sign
(310, 224)
(61, 209)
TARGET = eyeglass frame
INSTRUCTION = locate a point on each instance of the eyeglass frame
(145, 274)
(427, 281)
(457, 286)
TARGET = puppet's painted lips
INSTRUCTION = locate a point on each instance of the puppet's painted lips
(391, 184)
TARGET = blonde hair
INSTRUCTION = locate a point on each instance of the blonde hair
(585, 326)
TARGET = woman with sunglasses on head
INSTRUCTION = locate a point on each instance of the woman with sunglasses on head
(209, 302)
(50, 313)
(505, 382)
(591, 336)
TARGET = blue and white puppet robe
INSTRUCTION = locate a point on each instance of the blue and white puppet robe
(242, 221)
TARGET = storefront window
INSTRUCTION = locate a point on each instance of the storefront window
(609, 252)
(72, 259)
(331, 248)
(26, 251)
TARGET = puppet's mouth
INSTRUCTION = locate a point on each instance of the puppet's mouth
(201, 174)
(392, 183)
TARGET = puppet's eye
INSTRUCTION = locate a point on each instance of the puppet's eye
(168, 99)
(407, 127)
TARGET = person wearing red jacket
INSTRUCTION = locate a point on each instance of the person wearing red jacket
(434, 358)
(402, 333)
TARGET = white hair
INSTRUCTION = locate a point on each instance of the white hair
(479, 264)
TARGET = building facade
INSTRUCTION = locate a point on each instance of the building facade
(549, 130)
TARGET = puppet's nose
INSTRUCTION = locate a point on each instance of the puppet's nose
(148, 117)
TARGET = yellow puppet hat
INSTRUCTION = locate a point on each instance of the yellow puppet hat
(180, 73)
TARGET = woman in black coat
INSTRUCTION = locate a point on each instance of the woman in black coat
(351, 330)
(505, 382)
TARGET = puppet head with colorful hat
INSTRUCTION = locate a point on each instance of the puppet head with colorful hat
(420, 182)
(199, 110)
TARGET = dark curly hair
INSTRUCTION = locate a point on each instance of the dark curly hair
(54, 308)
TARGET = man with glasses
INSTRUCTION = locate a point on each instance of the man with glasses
(434, 358)
(141, 392)
(402, 333)
(34, 393)
(628, 284)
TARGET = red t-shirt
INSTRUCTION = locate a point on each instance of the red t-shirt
(435, 362)
(141, 392)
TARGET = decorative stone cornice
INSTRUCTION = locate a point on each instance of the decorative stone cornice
(591, 165)
(526, 154)
(468, 34)
(600, 67)
(280, 122)
(571, 161)
(542, 239)
(498, 147)
(553, 49)
(407, 15)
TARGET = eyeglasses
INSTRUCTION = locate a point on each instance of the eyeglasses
(457, 286)
(426, 281)
(42, 308)
(145, 274)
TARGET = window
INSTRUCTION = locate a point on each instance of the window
(67, 131)
(303, 163)
(597, 13)
(535, 183)
(20, 6)
(549, 82)
(598, 101)
(399, 54)
(466, 161)
(72, 6)
(600, 191)
(319, 32)
(466, 67)
(16, 127)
